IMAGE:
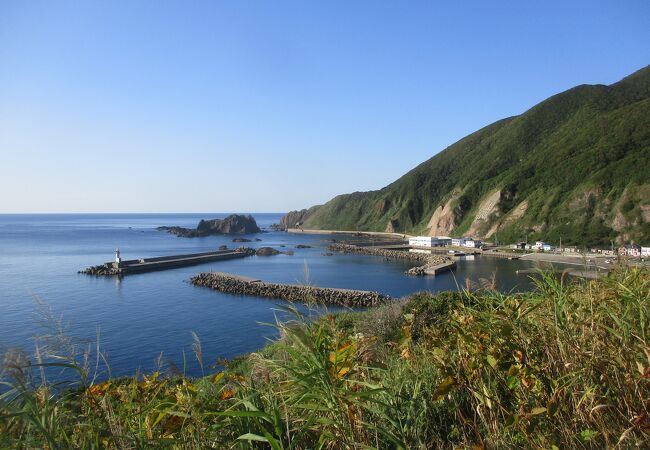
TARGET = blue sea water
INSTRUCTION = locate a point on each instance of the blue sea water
(140, 316)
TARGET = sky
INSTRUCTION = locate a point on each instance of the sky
(269, 106)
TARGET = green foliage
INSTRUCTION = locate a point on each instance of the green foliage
(428, 310)
(566, 366)
(596, 136)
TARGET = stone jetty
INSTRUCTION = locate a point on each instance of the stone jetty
(433, 264)
(385, 253)
(233, 284)
(126, 267)
(432, 268)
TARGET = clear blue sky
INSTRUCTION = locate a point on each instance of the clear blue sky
(162, 106)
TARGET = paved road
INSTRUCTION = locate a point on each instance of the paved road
(576, 260)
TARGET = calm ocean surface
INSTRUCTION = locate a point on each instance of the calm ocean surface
(143, 315)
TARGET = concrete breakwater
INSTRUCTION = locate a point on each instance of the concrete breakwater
(433, 268)
(164, 262)
(233, 284)
(378, 251)
(433, 264)
(498, 254)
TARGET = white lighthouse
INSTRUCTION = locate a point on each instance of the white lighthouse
(118, 258)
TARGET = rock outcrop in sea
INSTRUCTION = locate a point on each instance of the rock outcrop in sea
(233, 224)
(266, 251)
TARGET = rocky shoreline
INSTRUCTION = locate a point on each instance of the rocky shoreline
(290, 292)
(104, 270)
(426, 258)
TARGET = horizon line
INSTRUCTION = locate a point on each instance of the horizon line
(110, 212)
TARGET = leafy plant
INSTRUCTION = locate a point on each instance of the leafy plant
(565, 366)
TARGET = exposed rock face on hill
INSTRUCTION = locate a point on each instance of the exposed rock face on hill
(392, 227)
(514, 215)
(443, 219)
(487, 207)
(572, 167)
(233, 224)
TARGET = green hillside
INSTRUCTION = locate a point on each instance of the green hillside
(576, 166)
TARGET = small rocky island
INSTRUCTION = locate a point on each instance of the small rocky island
(233, 224)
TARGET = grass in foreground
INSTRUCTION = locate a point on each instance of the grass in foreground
(567, 366)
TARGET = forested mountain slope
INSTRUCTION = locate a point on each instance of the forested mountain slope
(575, 166)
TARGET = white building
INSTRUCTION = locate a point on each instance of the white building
(430, 241)
(539, 245)
(466, 242)
(633, 250)
(473, 243)
(458, 242)
(423, 241)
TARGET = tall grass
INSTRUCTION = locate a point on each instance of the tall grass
(566, 366)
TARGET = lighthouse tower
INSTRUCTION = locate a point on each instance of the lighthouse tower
(118, 258)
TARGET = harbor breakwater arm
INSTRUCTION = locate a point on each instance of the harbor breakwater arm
(433, 264)
(232, 284)
(164, 262)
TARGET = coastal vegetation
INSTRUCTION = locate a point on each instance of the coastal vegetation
(564, 366)
(570, 168)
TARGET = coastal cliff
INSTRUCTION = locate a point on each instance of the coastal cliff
(572, 167)
(295, 219)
